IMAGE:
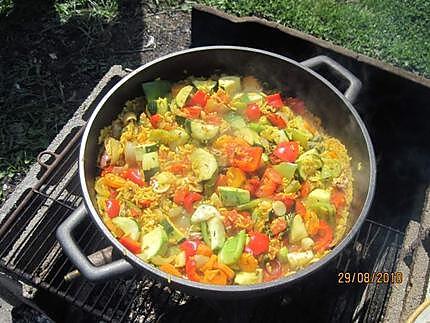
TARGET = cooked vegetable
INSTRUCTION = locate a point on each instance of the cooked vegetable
(128, 226)
(202, 131)
(182, 95)
(232, 249)
(216, 233)
(156, 89)
(297, 230)
(204, 212)
(221, 182)
(232, 196)
(203, 164)
(246, 278)
(153, 243)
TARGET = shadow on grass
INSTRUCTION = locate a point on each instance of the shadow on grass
(47, 68)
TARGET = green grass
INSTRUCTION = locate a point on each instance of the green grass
(395, 31)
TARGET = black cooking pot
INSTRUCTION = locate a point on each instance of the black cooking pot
(338, 117)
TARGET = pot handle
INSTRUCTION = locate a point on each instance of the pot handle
(354, 83)
(71, 249)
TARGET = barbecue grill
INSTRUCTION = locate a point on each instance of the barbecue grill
(393, 239)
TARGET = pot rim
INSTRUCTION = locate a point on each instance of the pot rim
(236, 289)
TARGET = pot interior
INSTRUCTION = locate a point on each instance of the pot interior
(279, 73)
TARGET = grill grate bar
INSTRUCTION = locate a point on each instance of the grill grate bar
(8, 235)
(56, 219)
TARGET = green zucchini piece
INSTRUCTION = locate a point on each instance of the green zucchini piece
(179, 136)
(202, 131)
(204, 85)
(128, 226)
(299, 259)
(162, 105)
(156, 89)
(283, 255)
(230, 84)
(232, 249)
(183, 94)
(331, 168)
(293, 187)
(150, 161)
(256, 127)
(250, 136)
(308, 164)
(204, 164)
(236, 121)
(301, 136)
(204, 212)
(232, 196)
(250, 205)
(153, 243)
(286, 169)
(205, 233)
(151, 108)
(318, 195)
(246, 278)
(216, 232)
(175, 235)
(297, 230)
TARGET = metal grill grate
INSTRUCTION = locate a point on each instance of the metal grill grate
(29, 252)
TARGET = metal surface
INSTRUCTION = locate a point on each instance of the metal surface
(320, 96)
(71, 249)
(354, 83)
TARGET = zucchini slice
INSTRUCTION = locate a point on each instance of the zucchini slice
(153, 243)
(128, 226)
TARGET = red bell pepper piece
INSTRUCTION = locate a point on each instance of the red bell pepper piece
(200, 98)
(323, 237)
(276, 120)
(112, 207)
(191, 270)
(134, 175)
(189, 200)
(258, 243)
(275, 100)
(253, 112)
(190, 247)
(130, 244)
(287, 151)
(155, 119)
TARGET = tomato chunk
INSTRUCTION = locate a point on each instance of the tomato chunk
(275, 100)
(258, 243)
(277, 120)
(155, 119)
(200, 98)
(189, 200)
(269, 183)
(193, 112)
(134, 175)
(253, 112)
(287, 151)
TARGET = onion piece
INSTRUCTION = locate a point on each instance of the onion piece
(130, 154)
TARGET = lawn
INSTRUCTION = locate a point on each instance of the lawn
(54, 51)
